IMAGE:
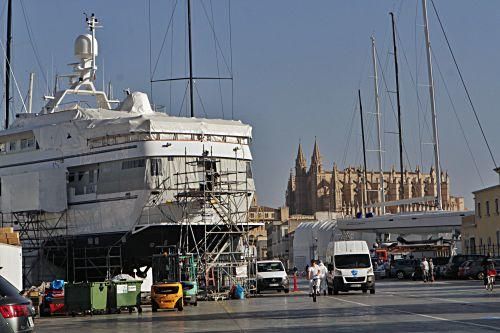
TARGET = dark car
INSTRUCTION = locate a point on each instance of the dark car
(471, 269)
(404, 268)
(456, 261)
(16, 311)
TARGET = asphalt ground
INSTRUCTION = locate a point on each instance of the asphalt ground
(397, 306)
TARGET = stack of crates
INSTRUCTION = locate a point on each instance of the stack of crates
(9, 236)
(86, 297)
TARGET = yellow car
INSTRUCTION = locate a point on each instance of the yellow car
(167, 295)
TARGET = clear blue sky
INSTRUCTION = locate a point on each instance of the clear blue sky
(297, 66)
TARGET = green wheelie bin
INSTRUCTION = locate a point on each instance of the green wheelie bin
(86, 297)
(124, 294)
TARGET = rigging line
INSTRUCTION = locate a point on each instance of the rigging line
(164, 40)
(392, 106)
(464, 85)
(458, 118)
(14, 77)
(201, 101)
(183, 99)
(33, 45)
(217, 61)
(349, 134)
(419, 102)
(231, 57)
(150, 53)
(216, 39)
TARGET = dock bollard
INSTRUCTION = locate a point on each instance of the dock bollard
(295, 287)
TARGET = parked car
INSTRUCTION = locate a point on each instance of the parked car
(271, 275)
(472, 269)
(380, 272)
(463, 268)
(457, 260)
(440, 266)
(404, 268)
(16, 311)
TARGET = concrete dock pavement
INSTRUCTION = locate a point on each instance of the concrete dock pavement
(398, 306)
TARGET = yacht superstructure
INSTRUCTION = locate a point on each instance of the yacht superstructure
(124, 174)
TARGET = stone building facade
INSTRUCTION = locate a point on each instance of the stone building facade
(315, 189)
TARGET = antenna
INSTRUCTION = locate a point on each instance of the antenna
(190, 59)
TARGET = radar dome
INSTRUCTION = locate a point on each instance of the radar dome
(83, 46)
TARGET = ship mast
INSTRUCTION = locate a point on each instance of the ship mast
(439, 204)
(364, 197)
(400, 132)
(379, 137)
(8, 62)
(190, 59)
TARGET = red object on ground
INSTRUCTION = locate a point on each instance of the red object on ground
(56, 308)
(295, 287)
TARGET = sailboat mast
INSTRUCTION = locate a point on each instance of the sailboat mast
(439, 204)
(7, 63)
(398, 103)
(379, 137)
(190, 59)
(364, 198)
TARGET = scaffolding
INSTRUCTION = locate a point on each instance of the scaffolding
(44, 244)
(215, 198)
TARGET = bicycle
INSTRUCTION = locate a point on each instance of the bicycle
(491, 280)
(315, 287)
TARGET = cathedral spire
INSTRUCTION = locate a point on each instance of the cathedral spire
(300, 161)
(316, 163)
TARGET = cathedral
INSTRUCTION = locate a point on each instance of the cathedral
(341, 191)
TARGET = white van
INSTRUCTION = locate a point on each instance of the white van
(350, 267)
(271, 275)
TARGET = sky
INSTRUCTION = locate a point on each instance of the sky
(296, 68)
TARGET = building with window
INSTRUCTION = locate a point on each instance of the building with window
(481, 232)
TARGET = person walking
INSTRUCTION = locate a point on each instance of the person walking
(322, 276)
(425, 269)
(431, 270)
(485, 263)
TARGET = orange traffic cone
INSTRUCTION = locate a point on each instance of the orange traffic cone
(295, 287)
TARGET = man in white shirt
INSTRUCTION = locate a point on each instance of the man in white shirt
(313, 275)
(425, 269)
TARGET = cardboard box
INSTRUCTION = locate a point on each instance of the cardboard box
(6, 230)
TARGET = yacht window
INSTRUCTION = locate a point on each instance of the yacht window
(249, 170)
(231, 139)
(80, 175)
(184, 136)
(217, 138)
(156, 167)
(12, 145)
(170, 158)
(131, 164)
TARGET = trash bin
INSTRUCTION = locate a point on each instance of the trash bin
(86, 297)
(125, 294)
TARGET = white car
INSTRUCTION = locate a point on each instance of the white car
(271, 275)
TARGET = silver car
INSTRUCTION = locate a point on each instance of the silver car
(16, 311)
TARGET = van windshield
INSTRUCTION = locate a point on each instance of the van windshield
(352, 261)
(270, 267)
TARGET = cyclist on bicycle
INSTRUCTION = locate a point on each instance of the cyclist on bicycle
(313, 275)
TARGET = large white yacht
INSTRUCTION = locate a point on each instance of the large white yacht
(119, 172)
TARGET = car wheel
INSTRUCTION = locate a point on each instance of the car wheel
(400, 275)
(365, 291)
(372, 291)
(287, 291)
(480, 275)
(180, 305)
